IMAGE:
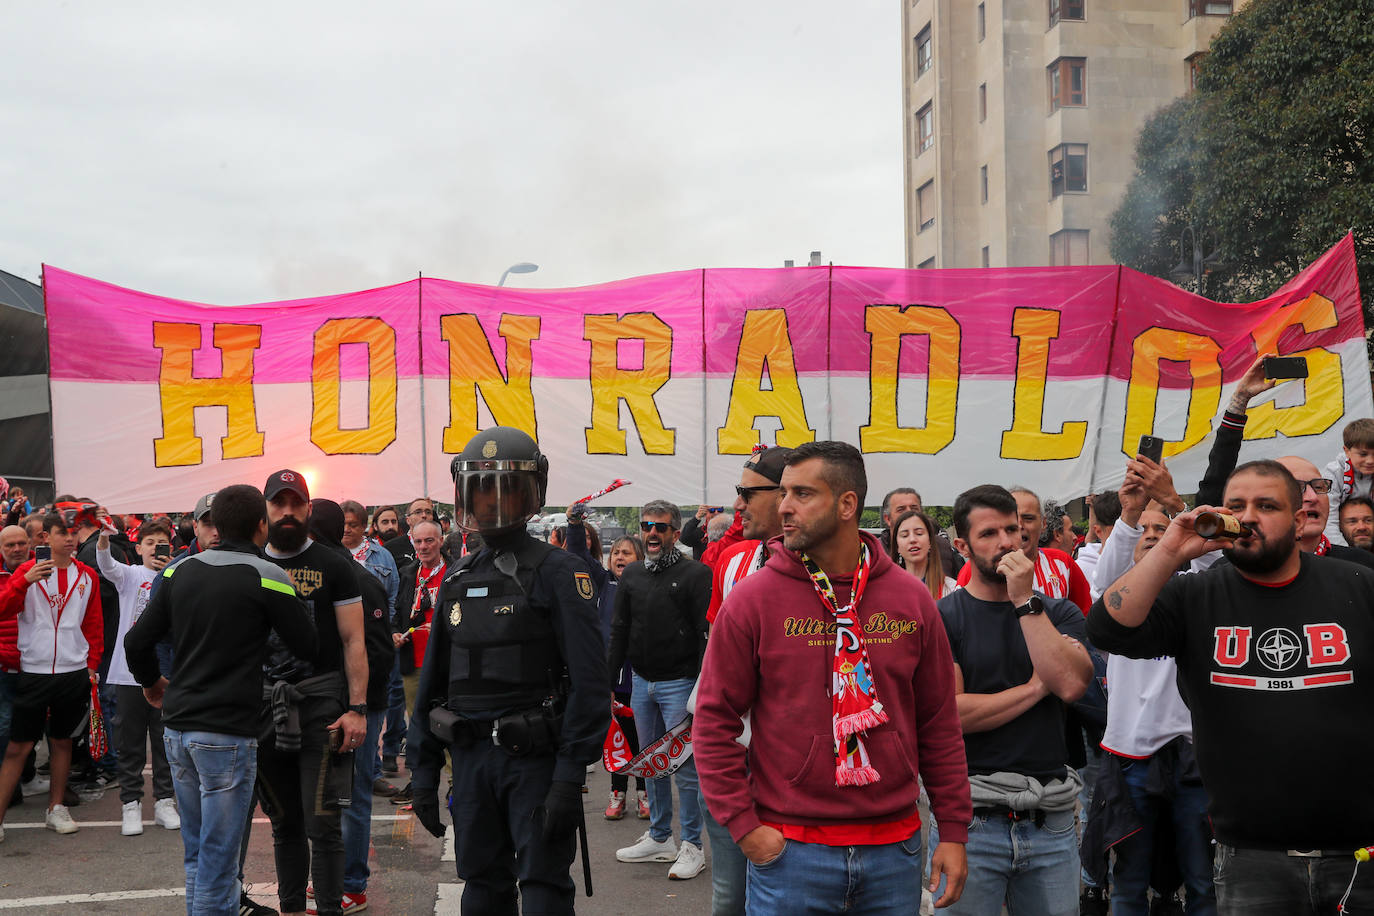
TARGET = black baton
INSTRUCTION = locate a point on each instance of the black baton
(586, 862)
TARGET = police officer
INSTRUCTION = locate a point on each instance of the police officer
(514, 685)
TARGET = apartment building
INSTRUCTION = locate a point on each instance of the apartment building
(1021, 119)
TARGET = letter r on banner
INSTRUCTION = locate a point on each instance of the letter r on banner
(180, 392)
(637, 387)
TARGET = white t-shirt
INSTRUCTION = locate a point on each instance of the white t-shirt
(135, 585)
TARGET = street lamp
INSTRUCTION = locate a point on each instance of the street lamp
(524, 267)
(1201, 264)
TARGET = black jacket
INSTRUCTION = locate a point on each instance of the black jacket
(659, 622)
(218, 606)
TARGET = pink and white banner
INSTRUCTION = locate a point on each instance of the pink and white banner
(1045, 377)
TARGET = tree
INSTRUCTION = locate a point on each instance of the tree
(1269, 157)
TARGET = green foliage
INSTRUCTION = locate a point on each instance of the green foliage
(1270, 155)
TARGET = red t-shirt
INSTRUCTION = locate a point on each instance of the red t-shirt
(425, 580)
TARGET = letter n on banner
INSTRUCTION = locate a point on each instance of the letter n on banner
(887, 325)
(764, 346)
(1323, 389)
(326, 390)
(637, 387)
(1202, 354)
(1027, 438)
(180, 392)
(472, 366)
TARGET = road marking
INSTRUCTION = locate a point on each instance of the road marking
(450, 851)
(256, 820)
(67, 899)
(449, 899)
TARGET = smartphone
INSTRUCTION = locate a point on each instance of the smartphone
(163, 550)
(42, 553)
(1285, 367)
(1151, 447)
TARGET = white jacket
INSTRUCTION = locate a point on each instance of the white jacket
(60, 627)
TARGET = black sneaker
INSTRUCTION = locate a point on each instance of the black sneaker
(403, 797)
(250, 907)
(389, 767)
(1166, 906)
(1093, 902)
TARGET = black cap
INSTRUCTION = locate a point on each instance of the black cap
(286, 480)
(769, 462)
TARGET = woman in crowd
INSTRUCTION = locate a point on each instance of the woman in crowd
(914, 548)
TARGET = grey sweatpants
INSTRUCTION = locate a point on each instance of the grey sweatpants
(134, 727)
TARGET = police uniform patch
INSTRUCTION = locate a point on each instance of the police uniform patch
(455, 614)
(489, 449)
(584, 585)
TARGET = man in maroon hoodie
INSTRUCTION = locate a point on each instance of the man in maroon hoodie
(845, 666)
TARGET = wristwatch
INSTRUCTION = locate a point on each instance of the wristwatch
(1033, 606)
(359, 708)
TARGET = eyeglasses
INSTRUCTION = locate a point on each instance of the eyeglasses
(425, 513)
(660, 527)
(746, 493)
(1319, 485)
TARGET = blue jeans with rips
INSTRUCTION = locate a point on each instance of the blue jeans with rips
(1192, 843)
(809, 878)
(213, 776)
(357, 817)
(1031, 869)
(658, 706)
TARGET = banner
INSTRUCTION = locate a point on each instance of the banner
(1044, 377)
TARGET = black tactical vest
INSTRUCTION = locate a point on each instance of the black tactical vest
(503, 651)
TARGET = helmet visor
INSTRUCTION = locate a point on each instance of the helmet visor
(491, 501)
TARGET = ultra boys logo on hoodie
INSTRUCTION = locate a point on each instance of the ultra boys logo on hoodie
(880, 628)
(1276, 655)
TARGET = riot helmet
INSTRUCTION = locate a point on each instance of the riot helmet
(500, 478)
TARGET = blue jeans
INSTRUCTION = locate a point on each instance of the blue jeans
(1031, 869)
(357, 817)
(815, 879)
(1192, 841)
(728, 874)
(395, 715)
(658, 705)
(213, 776)
(1262, 882)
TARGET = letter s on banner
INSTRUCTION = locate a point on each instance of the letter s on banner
(180, 392)
(1323, 389)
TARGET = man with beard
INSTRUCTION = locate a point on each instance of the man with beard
(386, 524)
(1018, 660)
(660, 626)
(1273, 656)
(840, 658)
(1056, 574)
(1315, 510)
(301, 776)
(1357, 522)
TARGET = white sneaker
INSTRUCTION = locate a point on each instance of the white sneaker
(165, 814)
(39, 785)
(2, 833)
(60, 819)
(689, 862)
(648, 849)
(132, 824)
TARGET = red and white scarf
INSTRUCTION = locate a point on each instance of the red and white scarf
(1323, 546)
(853, 695)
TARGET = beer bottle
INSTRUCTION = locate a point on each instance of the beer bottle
(1213, 525)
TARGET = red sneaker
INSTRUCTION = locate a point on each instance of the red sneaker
(352, 903)
(616, 809)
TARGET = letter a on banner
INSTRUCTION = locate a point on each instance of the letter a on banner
(180, 392)
(765, 346)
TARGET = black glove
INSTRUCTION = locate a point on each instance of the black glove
(425, 804)
(562, 809)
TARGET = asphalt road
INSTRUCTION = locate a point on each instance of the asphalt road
(96, 870)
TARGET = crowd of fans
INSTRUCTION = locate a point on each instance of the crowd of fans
(1121, 714)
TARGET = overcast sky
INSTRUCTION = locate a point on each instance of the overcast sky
(245, 152)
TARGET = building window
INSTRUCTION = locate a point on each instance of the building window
(924, 58)
(1209, 8)
(1068, 168)
(925, 205)
(987, 257)
(1066, 10)
(925, 128)
(1069, 248)
(982, 23)
(983, 181)
(927, 264)
(1194, 62)
(1068, 83)
(982, 102)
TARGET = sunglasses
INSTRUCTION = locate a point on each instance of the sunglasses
(746, 493)
(1319, 485)
(660, 527)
